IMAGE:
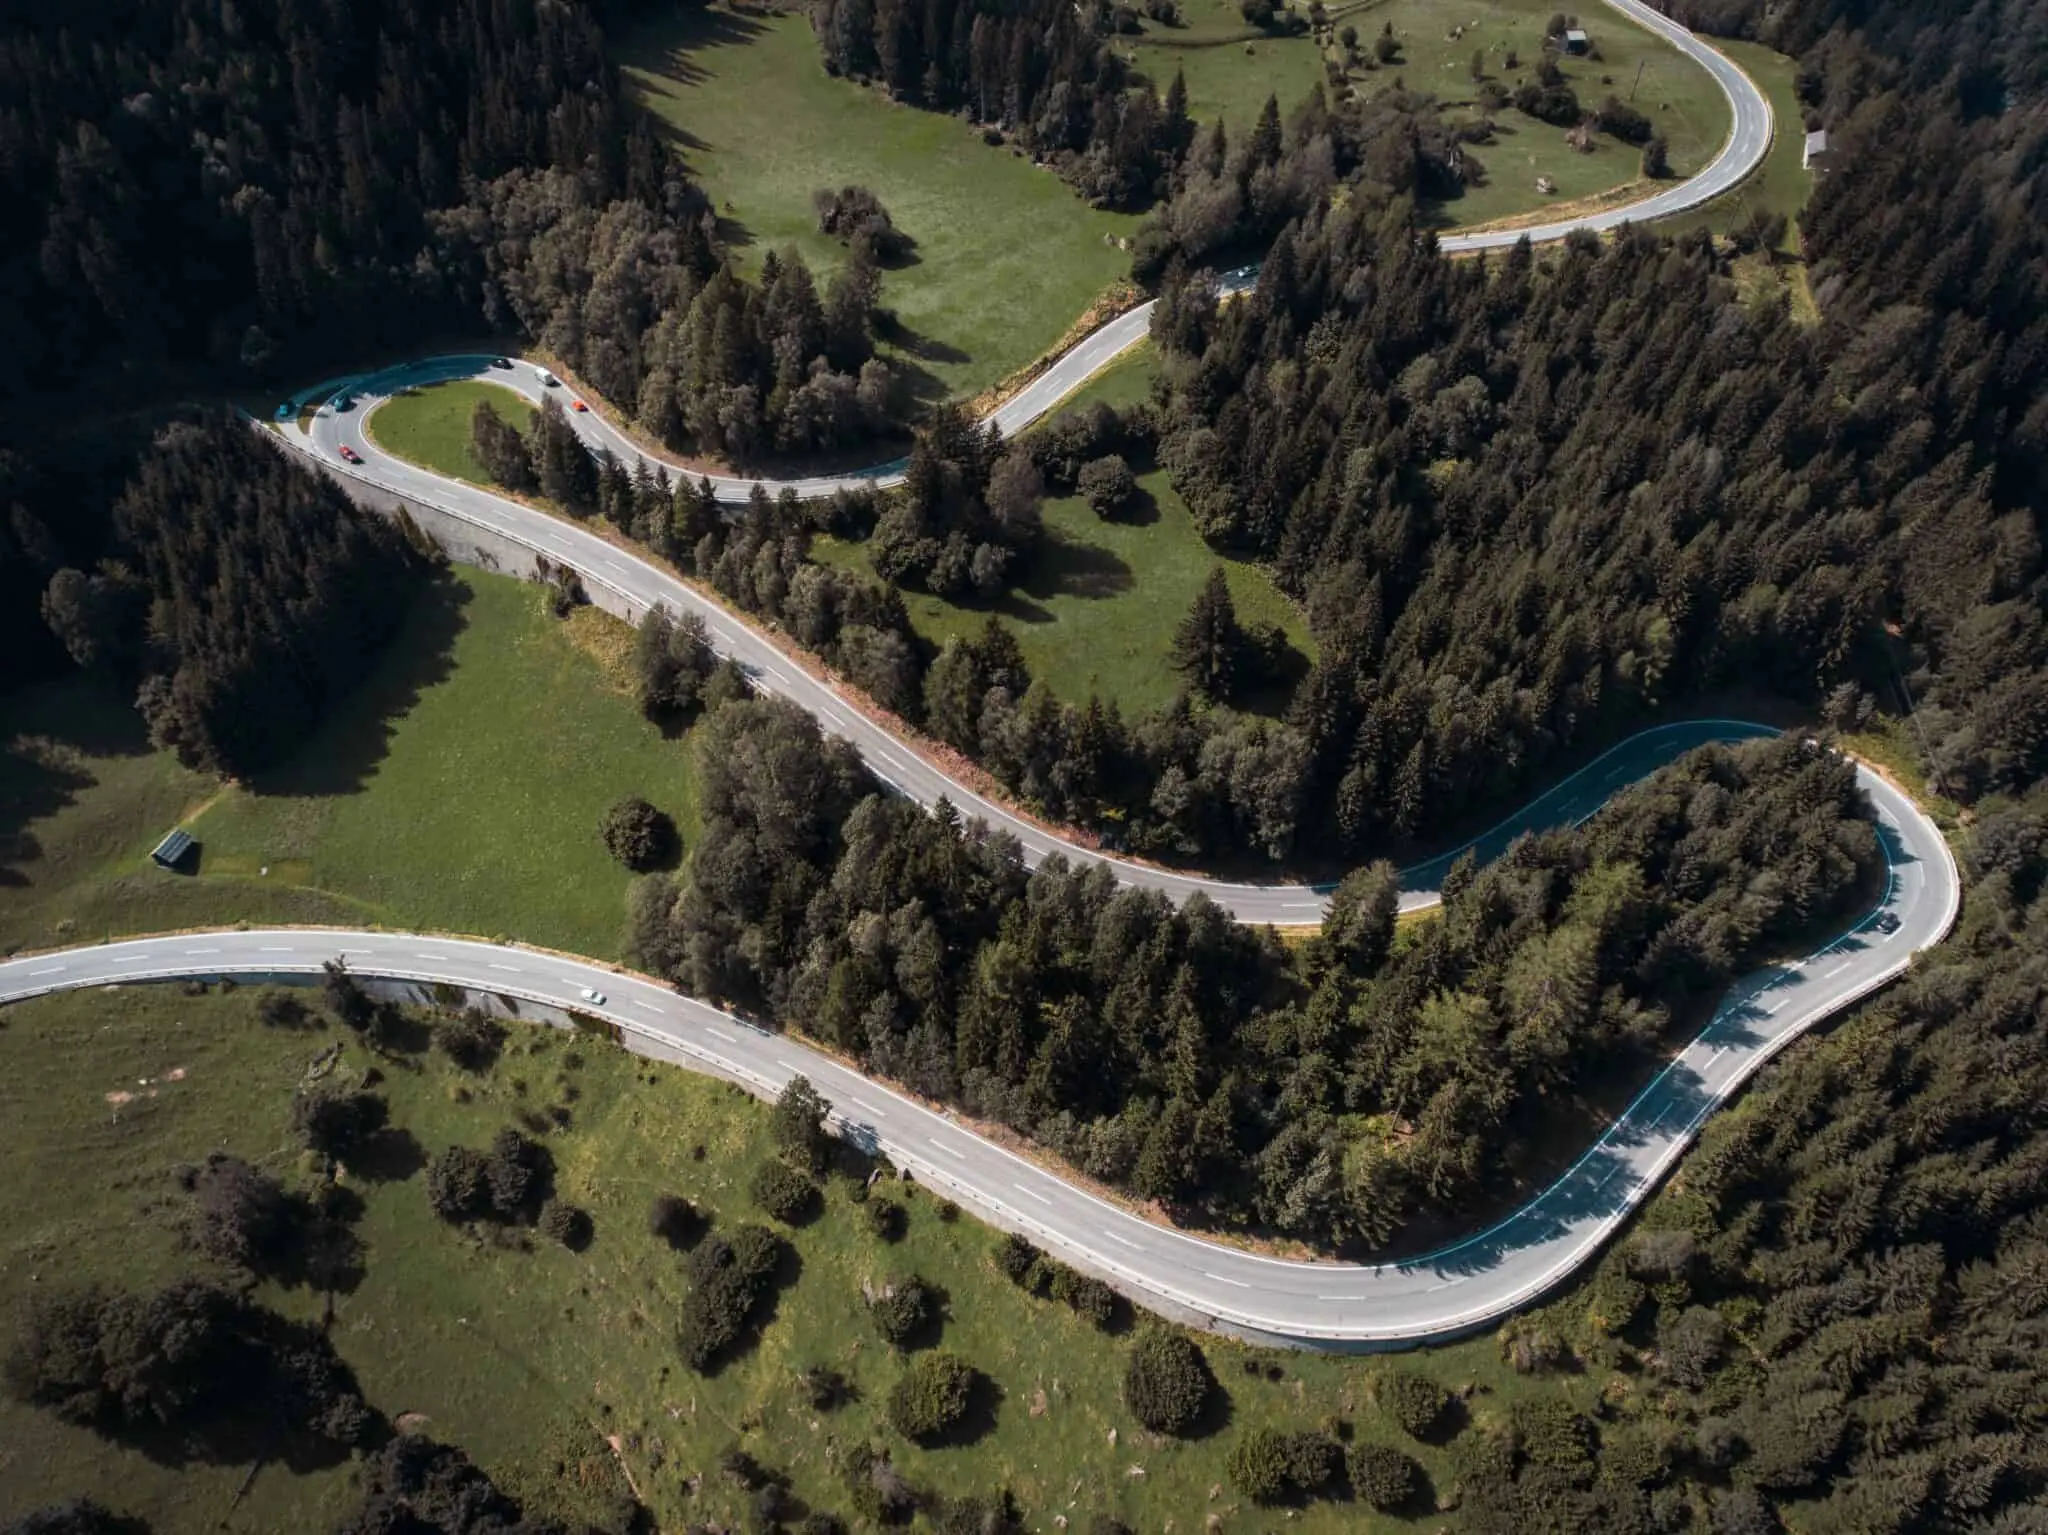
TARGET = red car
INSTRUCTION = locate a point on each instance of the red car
(350, 454)
(578, 405)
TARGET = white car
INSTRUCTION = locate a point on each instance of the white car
(550, 381)
(594, 998)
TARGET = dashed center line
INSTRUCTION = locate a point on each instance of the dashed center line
(442, 958)
(647, 1006)
(202, 951)
(1225, 1279)
(1123, 1241)
(720, 1034)
(50, 970)
(274, 949)
(956, 1154)
(509, 969)
(1032, 1194)
(1844, 965)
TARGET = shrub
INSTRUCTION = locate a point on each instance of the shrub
(1167, 1382)
(784, 1192)
(1313, 1460)
(674, 1220)
(1107, 484)
(457, 1188)
(520, 1174)
(638, 835)
(1096, 1301)
(568, 1224)
(1381, 1475)
(1554, 1435)
(856, 217)
(277, 1008)
(240, 1217)
(1015, 1256)
(887, 1220)
(337, 1122)
(1416, 1401)
(824, 1388)
(932, 1397)
(798, 1125)
(470, 1039)
(1257, 1465)
(729, 1278)
(904, 1309)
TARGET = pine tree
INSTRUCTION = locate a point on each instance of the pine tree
(1208, 647)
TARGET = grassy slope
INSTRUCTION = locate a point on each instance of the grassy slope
(1097, 610)
(460, 788)
(524, 1358)
(430, 426)
(1779, 186)
(1007, 256)
(1679, 97)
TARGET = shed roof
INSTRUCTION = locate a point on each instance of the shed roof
(174, 847)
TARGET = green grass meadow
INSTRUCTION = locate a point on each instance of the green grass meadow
(1007, 257)
(430, 425)
(1231, 69)
(460, 788)
(529, 1359)
(1095, 610)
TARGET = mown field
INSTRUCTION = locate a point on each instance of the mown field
(529, 1359)
(1006, 258)
(460, 789)
(431, 425)
(1096, 608)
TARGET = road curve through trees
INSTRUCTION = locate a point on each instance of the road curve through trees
(1444, 1294)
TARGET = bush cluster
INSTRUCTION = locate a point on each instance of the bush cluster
(932, 1397)
(1167, 1382)
(729, 1278)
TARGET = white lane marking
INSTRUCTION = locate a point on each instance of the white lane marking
(442, 957)
(1844, 965)
(275, 948)
(202, 951)
(957, 1155)
(649, 1006)
(1123, 1241)
(720, 1034)
(513, 969)
(1337, 1297)
(1032, 1194)
(1774, 1007)
(47, 970)
(1448, 1283)
(862, 1109)
(1225, 1279)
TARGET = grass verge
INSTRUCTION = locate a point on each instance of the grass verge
(459, 788)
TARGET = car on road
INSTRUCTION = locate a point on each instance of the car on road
(350, 455)
(346, 402)
(501, 362)
(1888, 922)
(286, 411)
(550, 380)
(578, 405)
(594, 998)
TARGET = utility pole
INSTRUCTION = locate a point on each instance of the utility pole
(1638, 79)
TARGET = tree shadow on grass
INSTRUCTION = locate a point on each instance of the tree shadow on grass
(390, 1156)
(38, 776)
(344, 753)
(1062, 567)
(915, 344)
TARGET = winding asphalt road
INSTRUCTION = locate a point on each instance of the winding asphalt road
(1444, 1294)
(338, 428)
